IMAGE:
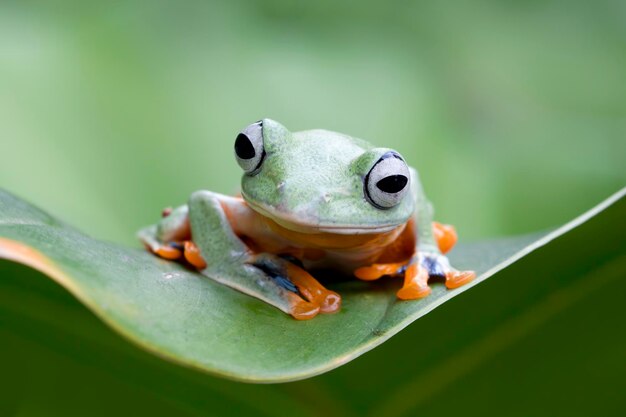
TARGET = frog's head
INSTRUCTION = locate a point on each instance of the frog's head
(321, 181)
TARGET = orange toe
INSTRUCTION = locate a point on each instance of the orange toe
(375, 271)
(331, 303)
(168, 252)
(193, 256)
(310, 289)
(367, 273)
(415, 283)
(456, 279)
(413, 292)
(446, 236)
(303, 310)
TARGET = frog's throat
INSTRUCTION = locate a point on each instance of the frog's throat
(297, 225)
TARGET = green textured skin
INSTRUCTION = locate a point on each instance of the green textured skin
(226, 255)
(315, 177)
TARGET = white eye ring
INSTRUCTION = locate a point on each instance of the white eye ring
(249, 150)
(388, 181)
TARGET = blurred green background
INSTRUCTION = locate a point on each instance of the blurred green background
(514, 112)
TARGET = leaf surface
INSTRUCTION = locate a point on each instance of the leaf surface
(191, 320)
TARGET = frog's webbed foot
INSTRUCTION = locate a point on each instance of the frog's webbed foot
(165, 250)
(166, 239)
(276, 281)
(297, 280)
(417, 271)
(425, 265)
(176, 251)
(438, 266)
(415, 277)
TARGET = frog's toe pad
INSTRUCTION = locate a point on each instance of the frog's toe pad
(170, 252)
(413, 291)
(456, 279)
(193, 256)
(376, 271)
(446, 236)
(331, 302)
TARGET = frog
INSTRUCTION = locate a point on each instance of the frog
(310, 200)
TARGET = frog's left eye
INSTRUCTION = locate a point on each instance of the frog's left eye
(249, 148)
(387, 182)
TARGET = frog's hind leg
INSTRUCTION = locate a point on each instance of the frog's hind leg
(230, 262)
(297, 279)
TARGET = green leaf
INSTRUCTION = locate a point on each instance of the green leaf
(188, 319)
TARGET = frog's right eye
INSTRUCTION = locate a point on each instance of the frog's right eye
(386, 183)
(249, 148)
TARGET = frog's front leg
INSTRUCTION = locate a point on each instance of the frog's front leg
(264, 276)
(417, 271)
(167, 238)
(426, 265)
(431, 241)
(444, 234)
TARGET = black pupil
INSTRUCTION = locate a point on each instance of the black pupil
(392, 184)
(243, 147)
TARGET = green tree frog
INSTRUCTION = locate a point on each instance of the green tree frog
(311, 199)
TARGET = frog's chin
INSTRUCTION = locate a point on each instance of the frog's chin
(298, 225)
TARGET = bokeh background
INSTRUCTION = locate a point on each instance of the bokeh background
(513, 112)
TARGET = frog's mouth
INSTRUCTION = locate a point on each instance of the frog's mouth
(299, 225)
